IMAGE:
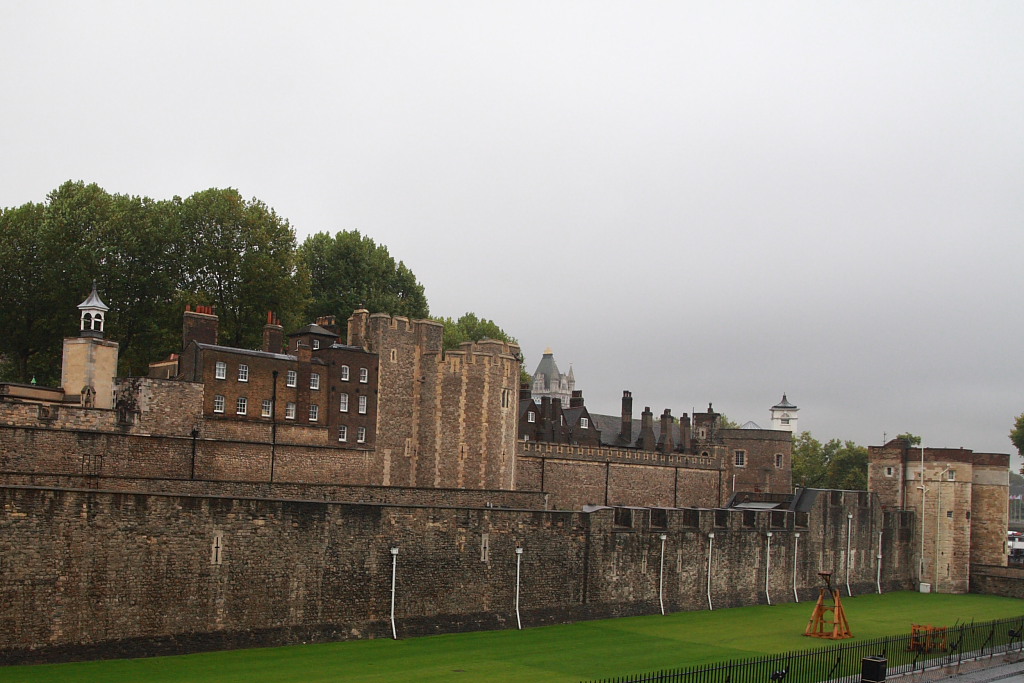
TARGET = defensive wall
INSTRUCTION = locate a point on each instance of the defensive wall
(91, 573)
(576, 476)
(997, 580)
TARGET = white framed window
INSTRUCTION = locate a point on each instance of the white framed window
(361, 435)
(314, 413)
(740, 458)
(342, 433)
(243, 373)
(778, 460)
(364, 375)
(584, 423)
(784, 420)
(293, 378)
(218, 404)
(314, 380)
(221, 370)
(344, 373)
(362, 405)
(316, 344)
(289, 411)
(951, 475)
(266, 407)
(242, 405)
(531, 416)
(343, 403)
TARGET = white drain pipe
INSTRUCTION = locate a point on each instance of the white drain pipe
(878, 571)
(711, 543)
(519, 556)
(767, 567)
(661, 577)
(796, 548)
(849, 530)
(394, 568)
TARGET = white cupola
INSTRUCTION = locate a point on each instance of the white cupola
(93, 313)
(784, 416)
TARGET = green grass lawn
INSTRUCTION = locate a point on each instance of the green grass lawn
(574, 652)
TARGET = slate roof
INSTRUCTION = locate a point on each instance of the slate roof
(314, 329)
(784, 404)
(611, 424)
(94, 300)
(547, 368)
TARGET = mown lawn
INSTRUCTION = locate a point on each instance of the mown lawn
(573, 652)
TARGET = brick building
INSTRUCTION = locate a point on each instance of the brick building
(317, 383)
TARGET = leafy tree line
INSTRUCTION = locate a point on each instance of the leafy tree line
(150, 258)
(834, 464)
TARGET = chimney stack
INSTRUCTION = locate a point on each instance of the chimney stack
(273, 334)
(626, 430)
(576, 400)
(646, 440)
(665, 442)
(200, 325)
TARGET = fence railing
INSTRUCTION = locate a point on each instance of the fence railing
(904, 654)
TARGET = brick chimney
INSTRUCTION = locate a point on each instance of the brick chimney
(576, 400)
(200, 325)
(273, 334)
(646, 440)
(665, 442)
(626, 429)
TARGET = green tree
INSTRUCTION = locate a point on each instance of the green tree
(1017, 434)
(835, 464)
(469, 327)
(725, 423)
(24, 315)
(349, 271)
(912, 439)
(242, 259)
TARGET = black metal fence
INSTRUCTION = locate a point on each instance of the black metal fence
(905, 654)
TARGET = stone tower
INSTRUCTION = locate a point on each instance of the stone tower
(784, 416)
(90, 362)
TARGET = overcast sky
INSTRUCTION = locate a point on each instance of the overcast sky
(696, 201)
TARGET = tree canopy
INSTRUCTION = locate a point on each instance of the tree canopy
(1017, 434)
(832, 465)
(469, 327)
(912, 439)
(149, 258)
(350, 271)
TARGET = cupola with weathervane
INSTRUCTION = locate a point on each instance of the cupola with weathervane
(784, 415)
(94, 311)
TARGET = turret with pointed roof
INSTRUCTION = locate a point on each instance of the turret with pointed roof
(549, 382)
(784, 415)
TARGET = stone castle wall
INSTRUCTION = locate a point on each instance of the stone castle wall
(95, 573)
(583, 475)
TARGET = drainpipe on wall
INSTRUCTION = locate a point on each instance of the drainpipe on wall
(878, 575)
(519, 556)
(768, 567)
(394, 567)
(849, 529)
(661, 577)
(273, 425)
(711, 544)
(796, 548)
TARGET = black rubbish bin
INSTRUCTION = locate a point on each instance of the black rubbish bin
(872, 669)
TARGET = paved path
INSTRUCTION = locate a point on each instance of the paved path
(981, 671)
